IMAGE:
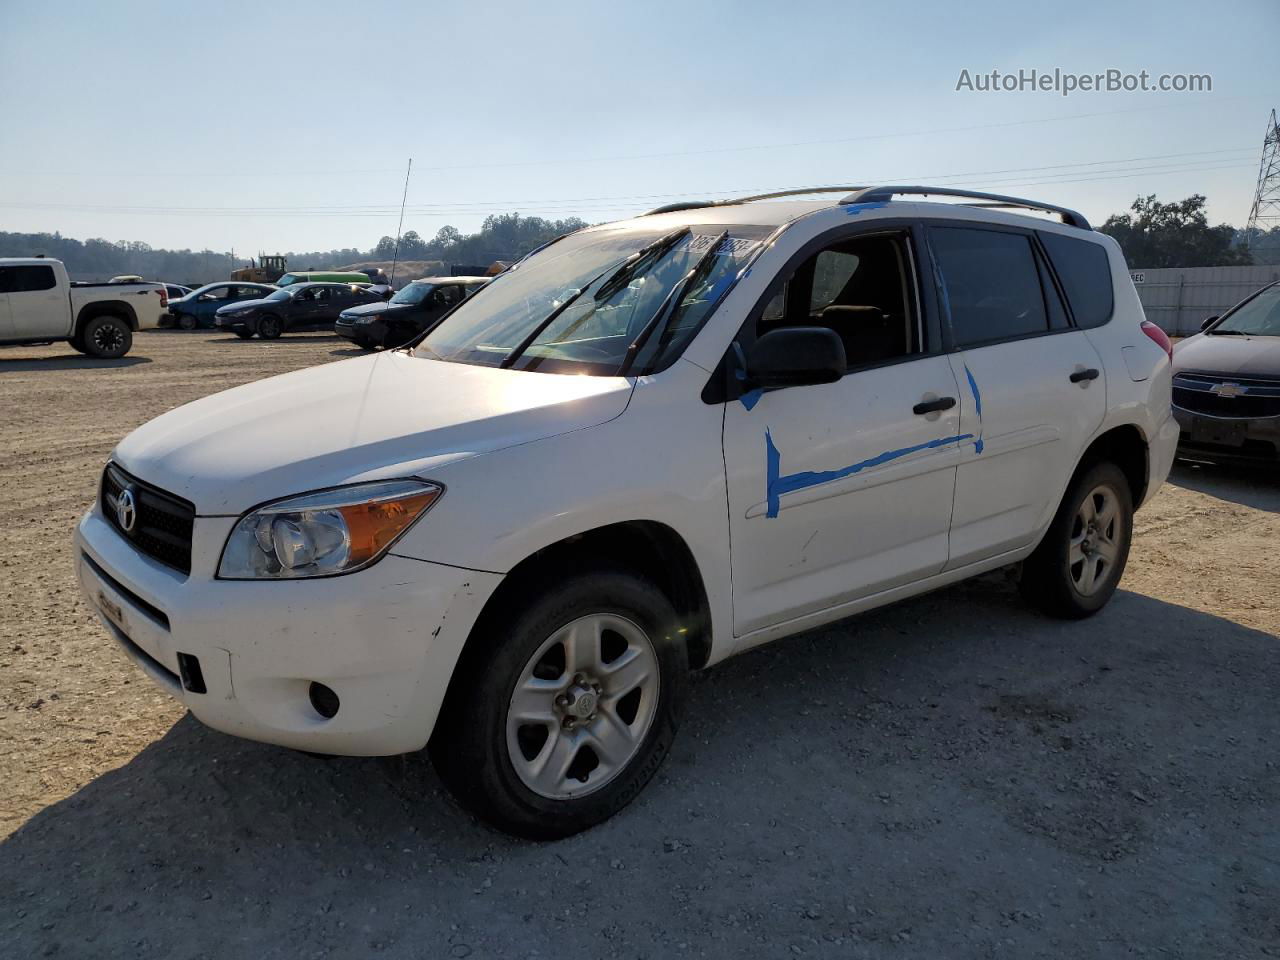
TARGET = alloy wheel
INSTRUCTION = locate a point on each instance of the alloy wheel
(582, 706)
(1095, 540)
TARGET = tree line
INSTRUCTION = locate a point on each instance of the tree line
(1152, 234)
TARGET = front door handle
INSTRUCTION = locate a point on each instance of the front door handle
(1081, 376)
(933, 406)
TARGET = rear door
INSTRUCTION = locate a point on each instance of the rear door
(1032, 385)
(37, 308)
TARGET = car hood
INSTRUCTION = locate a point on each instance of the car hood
(245, 304)
(372, 309)
(387, 415)
(1234, 356)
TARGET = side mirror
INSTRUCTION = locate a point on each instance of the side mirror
(795, 357)
(1208, 322)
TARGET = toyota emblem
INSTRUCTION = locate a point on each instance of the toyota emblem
(126, 510)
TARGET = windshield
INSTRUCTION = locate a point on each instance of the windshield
(280, 295)
(1259, 317)
(597, 311)
(413, 293)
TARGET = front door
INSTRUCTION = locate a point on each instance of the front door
(843, 490)
(37, 308)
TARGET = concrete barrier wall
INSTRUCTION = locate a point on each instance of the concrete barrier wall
(1179, 298)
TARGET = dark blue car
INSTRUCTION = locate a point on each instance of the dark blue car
(198, 307)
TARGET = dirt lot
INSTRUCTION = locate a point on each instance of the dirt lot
(951, 777)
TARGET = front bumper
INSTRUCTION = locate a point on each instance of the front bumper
(1228, 438)
(235, 323)
(371, 332)
(385, 639)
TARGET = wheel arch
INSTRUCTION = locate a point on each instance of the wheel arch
(112, 308)
(1126, 446)
(648, 548)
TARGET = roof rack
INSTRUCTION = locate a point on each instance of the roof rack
(884, 194)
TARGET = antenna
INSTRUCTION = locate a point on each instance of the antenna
(395, 257)
(1264, 215)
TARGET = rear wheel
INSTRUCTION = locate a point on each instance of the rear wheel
(77, 343)
(1078, 565)
(270, 328)
(107, 337)
(561, 710)
(186, 321)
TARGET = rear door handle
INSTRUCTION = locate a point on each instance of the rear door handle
(933, 406)
(1080, 376)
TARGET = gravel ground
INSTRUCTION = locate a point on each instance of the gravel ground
(953, 776)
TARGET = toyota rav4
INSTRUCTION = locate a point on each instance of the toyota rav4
(649, 446)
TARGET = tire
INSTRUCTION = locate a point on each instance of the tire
(77, 343)
(364, 344)
(186, 321)
(243, 334)
(107, 337)
(606, 732)
(270, 328)
(1077, 566)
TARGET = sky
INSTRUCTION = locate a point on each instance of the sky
(265, 126)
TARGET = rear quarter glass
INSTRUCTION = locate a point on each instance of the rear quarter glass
(1085, 273)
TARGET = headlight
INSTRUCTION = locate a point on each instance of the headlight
(364, 319)
(325, 533)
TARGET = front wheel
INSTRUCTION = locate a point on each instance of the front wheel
(562, 710)
(270, 328)
(1078, 565)
(186, 321)
(107, 337)
(243, 334)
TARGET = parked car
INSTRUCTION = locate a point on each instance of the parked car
(176, 291)
(301, 306)
(648, 446)
(199, 307)
(1226, 383)
(397, 321)
(38, 304)
(323, 276)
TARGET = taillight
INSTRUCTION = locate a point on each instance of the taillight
(1156, 334)
(164, 297)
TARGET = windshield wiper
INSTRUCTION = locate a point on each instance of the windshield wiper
(626, 271)
(672, 302)
(1228, 333)
(641, 258)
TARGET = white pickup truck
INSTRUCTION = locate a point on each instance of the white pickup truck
(38, 304)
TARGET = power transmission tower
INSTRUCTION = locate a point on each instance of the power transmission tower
(1264, 215)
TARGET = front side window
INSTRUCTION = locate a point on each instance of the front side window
(1258, 317)
(992, 284)
(218, 293)
(601, 302)
(863, 289)
(31, 278)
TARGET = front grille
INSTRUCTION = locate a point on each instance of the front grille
(162, 525)
(1199, 393)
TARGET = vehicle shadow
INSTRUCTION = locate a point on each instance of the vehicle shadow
(1256, 487)
(937, 766)
(70, 361)
(288, 338)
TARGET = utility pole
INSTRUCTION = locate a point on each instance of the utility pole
(1264, 215)
(395, 257)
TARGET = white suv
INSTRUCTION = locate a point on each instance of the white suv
(649, 446)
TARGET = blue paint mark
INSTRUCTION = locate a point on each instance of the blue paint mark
(977, 403)
(853, 209)
(751, 398)
(776, 484)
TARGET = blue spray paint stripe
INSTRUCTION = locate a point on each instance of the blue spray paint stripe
(751, 398)
(776, 484)
(977, 403)
(853, 209)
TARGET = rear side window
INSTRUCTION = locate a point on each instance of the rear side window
(26, 279)
(992, 284)
(1085, 272)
